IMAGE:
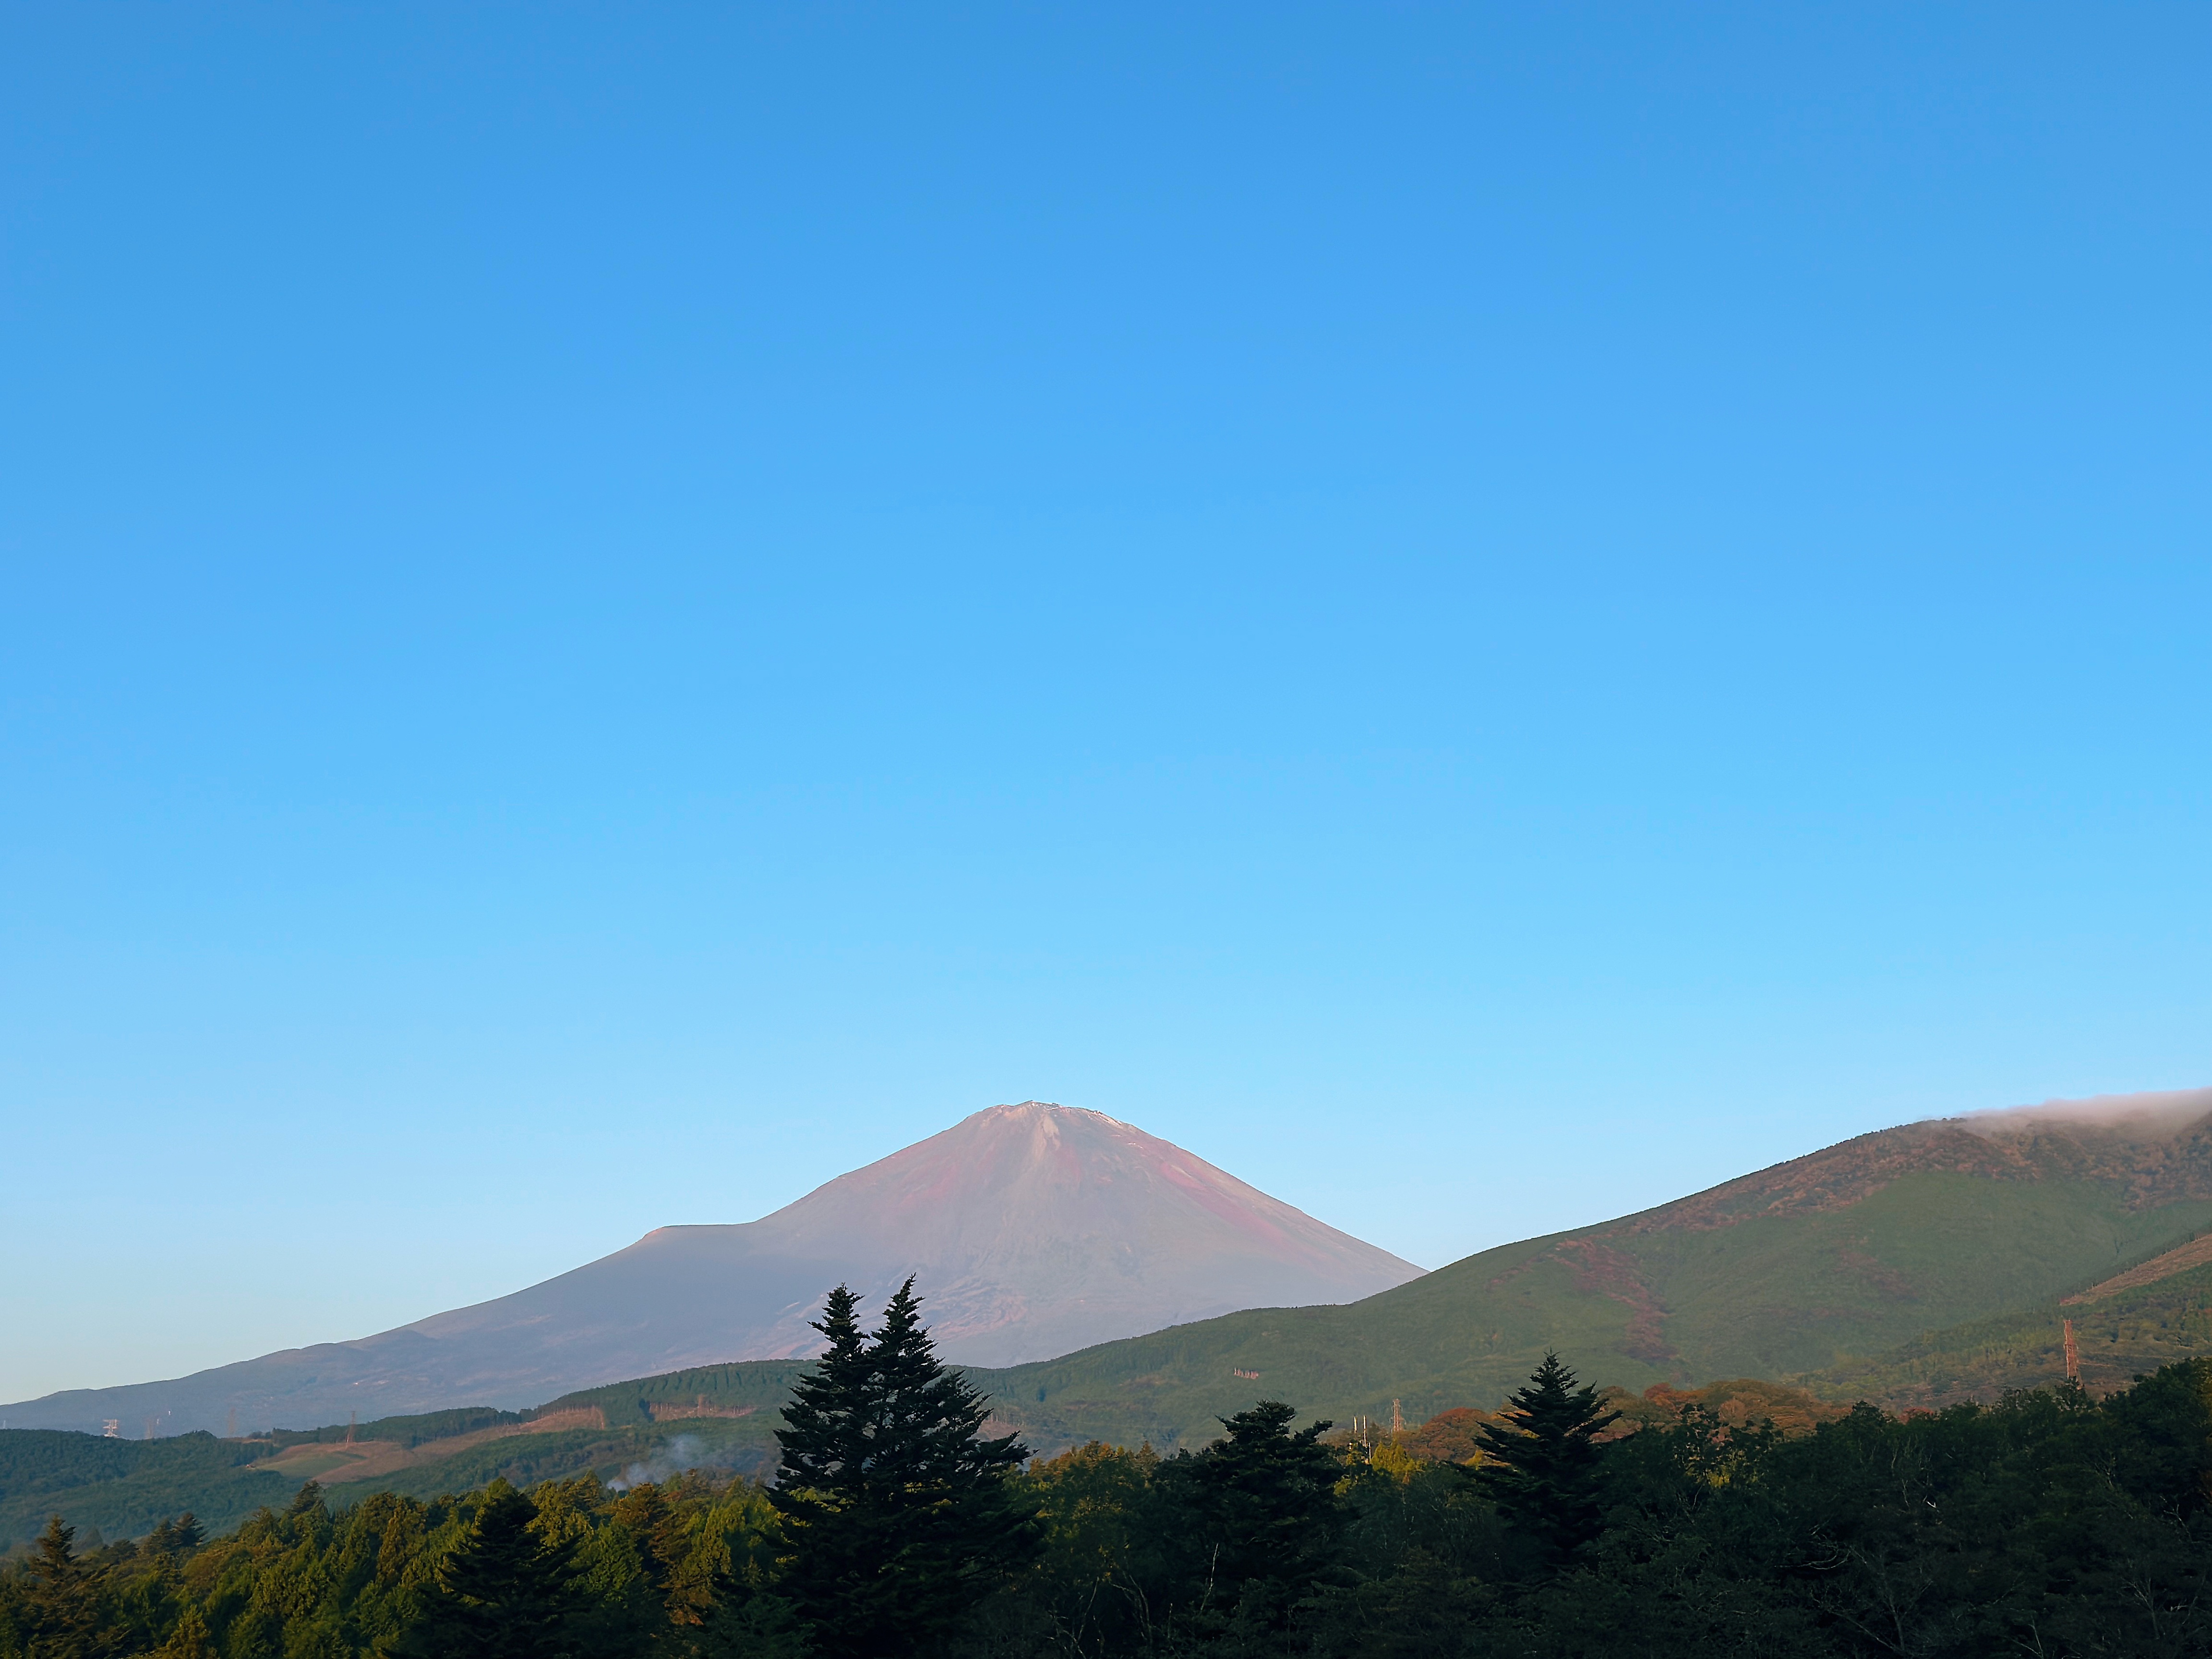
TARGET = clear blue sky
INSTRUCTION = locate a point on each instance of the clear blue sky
(1483, 615)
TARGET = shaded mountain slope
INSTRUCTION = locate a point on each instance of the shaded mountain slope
(1033, 1229)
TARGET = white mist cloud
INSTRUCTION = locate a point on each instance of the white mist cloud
(2153, 1113)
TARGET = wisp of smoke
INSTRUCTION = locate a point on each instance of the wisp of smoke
(678, 1456)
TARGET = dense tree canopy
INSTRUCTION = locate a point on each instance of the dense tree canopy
(2051, 1523)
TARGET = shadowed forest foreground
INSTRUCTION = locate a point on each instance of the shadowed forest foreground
(2051, 1523)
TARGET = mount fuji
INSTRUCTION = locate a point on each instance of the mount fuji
(1032, 1230)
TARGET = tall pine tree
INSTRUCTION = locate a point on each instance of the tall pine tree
(1261, 1525)
(1540, 1463)
(64, 1599)
(504, 1593)
(898, 1509)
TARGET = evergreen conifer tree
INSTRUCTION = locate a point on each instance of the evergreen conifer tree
(743, 1622)
(504, 1593)
(63, 1601)
(898, 1509)
(190, 1639)
(1262, 1523)
(1541, 1465)
(667, 1598)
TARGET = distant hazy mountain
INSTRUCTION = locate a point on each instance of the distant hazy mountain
(1032, 1230)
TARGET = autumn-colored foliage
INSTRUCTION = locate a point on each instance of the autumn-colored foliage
(1744, 1402)
(1449, 1437)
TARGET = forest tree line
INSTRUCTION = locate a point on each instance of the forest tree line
(2051, 1523)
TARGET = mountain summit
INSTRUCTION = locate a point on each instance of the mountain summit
(1032, 1230)
(1038, 1228)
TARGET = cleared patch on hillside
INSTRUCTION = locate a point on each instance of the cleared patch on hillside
(2194, 1253)
(369, 1459)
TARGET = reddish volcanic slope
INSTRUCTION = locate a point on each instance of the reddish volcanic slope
(1038, 1230)
(1033, 1231)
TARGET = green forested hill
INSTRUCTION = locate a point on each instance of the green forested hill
(1809, 1269)
(126, 1487)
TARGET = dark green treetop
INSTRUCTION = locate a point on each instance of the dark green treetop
(65, 1612)
(824, 1429)
(898, 1508)
(1264, 1519)
(504, 1593)
(1540, 1463)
